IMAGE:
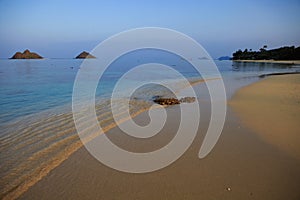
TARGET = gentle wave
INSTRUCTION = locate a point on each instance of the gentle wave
(32, 147)
(30, 151)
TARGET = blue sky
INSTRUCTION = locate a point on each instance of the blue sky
(58, 29)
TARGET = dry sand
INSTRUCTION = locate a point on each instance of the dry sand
(271, 108)
(241, 166)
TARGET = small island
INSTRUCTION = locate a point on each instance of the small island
(26, 55)
(224, 58)
(84, 55)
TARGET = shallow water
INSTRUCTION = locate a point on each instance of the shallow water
(37, 127)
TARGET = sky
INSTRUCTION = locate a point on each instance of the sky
(62, 29)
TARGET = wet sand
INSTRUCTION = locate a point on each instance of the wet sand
(291, 62)
(241, 166)
(271, 108)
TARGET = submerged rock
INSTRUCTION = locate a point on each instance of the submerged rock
(187, 100)
(166, 101)
(84, 55)
(26, 55)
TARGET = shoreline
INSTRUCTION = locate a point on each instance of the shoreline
(44, 169)
(276, 99)
(278, 74)
(290, 62)
(77, 147)
(233, 170)
(56, 160)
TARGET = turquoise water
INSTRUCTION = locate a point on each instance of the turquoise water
(37, 128)
(31, 86)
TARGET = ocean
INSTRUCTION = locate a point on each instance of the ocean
(36, 121)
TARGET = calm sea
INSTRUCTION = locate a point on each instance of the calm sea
(36, 122)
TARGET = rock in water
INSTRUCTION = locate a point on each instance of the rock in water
(84, 55)
(173, 101)
(26, 55)
(166, 101)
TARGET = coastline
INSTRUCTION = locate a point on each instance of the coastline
(70, 140)
(233, 170)
(271, 107)
(68, 146)
(290, 62)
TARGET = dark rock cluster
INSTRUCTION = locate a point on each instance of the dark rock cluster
(173, 101)
(166, 101)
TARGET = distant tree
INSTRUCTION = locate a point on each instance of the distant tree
(265, 46)
(237, 55)
(262, 50)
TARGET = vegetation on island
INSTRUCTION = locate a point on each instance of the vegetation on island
(282, 53)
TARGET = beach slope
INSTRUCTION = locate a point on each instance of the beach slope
(271, 108)
(233, 170)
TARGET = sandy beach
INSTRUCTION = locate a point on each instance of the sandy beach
(271, 108)
(243, 165)
(291, 62)
(150, 100)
